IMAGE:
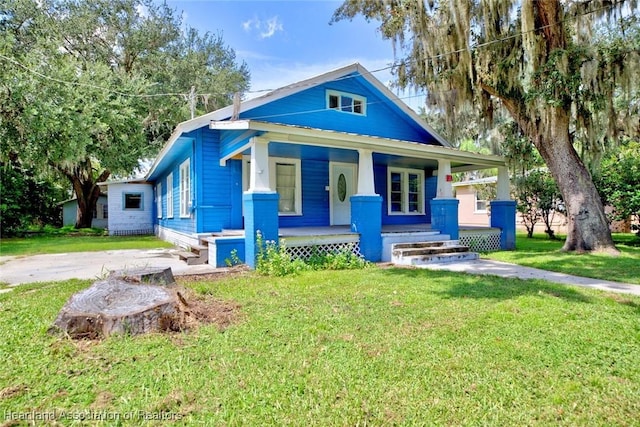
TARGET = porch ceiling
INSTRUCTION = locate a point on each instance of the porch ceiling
(393, 150)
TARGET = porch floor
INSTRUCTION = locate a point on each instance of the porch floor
(346, 229)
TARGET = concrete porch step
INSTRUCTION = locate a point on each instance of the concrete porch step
(192, 259)
(438, 258)
(430, 252)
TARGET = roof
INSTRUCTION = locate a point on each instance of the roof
(227, 112)
(479, 181)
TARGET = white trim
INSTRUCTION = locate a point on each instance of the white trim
(226, 112)
(185, 189)
(273, 161)
(404, 172)
(159, 200)
(246, 162)
(170, 195)
(475, 204)
(276, 132)
(339, 94)
(332, 184)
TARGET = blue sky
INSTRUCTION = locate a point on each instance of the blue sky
(286, 41)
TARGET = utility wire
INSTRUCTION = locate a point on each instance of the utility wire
(302, 84)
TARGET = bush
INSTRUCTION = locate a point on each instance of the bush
(274, 259)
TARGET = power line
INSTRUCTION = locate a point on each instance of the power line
(191, 94)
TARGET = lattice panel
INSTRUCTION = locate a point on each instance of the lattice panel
(139, 232)
(306, 252)
(481, 242)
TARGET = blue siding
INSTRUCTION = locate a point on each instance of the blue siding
(308, 108)
(184, 225)
(315, 198)
(220, 187)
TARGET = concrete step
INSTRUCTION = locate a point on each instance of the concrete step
(429, 250)
(438, 258)
(192, 259)
(200, 250)
(430, 244)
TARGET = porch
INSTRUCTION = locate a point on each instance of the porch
(304, 241)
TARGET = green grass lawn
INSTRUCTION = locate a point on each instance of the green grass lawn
(52, 244)
(364, 347)
(540, 252)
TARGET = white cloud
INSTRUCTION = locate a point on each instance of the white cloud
(264, 28)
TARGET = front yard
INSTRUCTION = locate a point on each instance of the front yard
(364, 347)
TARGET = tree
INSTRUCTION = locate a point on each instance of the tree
(88, 89)
(535, 58)
(619, 181)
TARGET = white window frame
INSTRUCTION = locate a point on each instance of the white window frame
(170, 195)
(475, 203)
(132, 193)
(159, 199)
(185, 189)
(405, 191)
(273, 161)
(356, 100)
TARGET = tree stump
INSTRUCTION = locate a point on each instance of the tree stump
(122, 304)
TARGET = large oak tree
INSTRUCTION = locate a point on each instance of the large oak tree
(88, 89)
(539, 60)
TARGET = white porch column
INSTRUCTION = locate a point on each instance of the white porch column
(259, 167)
(366, 186)
(503, 188)
(445, 187)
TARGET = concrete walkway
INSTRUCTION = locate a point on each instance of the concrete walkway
(90, 265)
(498, 268)
(93, 265)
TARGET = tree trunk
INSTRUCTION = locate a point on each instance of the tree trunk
(587, 226)
(127, 302)
(86, 190)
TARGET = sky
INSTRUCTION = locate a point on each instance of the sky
(286, 41)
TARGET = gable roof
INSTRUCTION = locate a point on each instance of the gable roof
(227, 112)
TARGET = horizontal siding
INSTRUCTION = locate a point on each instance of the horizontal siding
(308, 108)
(182, 225)
(315, 198)
(123, 220)
(220, 186)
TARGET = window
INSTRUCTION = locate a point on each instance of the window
(481, 205)
(185, 189)
(170, 195)
(346, 102)
(285, 178)
(159, 199)
(105, 211)
(132, 201)
(405, 191)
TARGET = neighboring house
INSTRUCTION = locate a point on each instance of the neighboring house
(131, 208)
(331, 161)
(473, 210)
(100, 216)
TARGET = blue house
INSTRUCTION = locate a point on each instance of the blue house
(331, 161)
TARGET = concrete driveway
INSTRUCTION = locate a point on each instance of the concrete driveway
(90, 265)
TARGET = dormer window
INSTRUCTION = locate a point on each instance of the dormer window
(346, 102)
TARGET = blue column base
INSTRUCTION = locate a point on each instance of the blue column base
(366, 219)
(503, 216)
(227, 250)
(260, 215)
(444, 217)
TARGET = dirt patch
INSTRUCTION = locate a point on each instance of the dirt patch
(206, 310)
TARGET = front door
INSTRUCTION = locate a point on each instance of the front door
(342, 184)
